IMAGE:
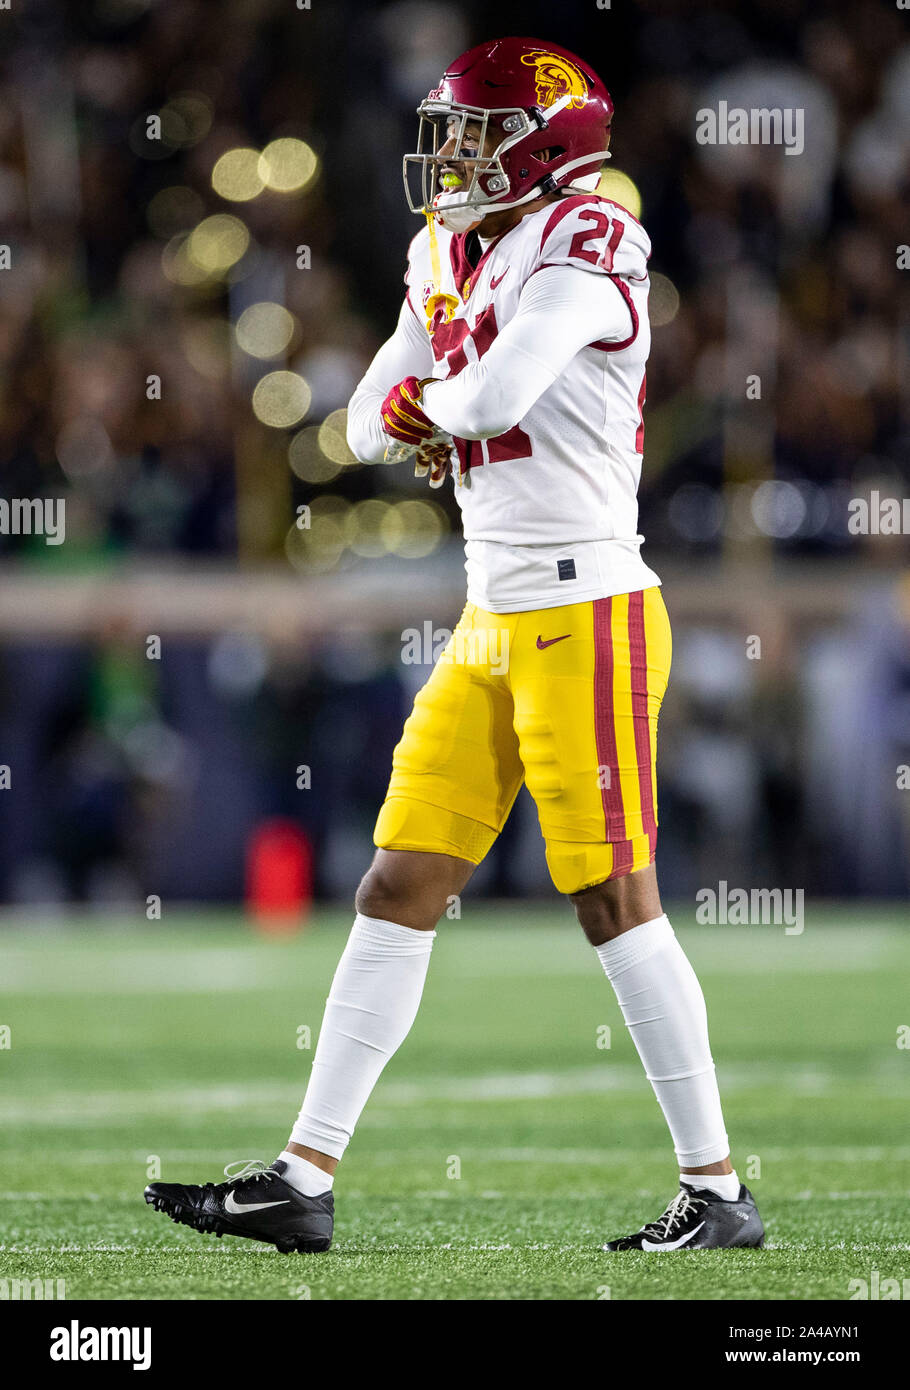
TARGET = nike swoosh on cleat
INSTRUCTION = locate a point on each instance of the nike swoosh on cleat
(673, 1244)
(236, 1208)
(550, 640)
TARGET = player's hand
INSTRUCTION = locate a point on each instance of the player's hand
(434, 458)
(402, 417)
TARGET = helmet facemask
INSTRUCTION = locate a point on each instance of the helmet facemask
(460, 209)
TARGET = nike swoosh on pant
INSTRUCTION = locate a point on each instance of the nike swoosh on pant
(541, 644)
(673, 1244)
(240, 1209)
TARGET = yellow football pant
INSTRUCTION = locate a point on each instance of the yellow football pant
(565, 699)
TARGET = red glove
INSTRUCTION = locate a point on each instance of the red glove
(402, 416)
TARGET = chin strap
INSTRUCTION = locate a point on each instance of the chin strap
(448, 207)
(449, 213)
(455, 217)
(437, 298)
(434, 252)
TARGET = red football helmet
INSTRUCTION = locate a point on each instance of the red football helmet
(551, 115)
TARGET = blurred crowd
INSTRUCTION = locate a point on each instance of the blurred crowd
(133, 777)
(783, 267)
(765, 266)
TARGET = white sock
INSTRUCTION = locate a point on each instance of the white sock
(369, 1012)
(726, 1185)
(304, 1176)
(664, 1010)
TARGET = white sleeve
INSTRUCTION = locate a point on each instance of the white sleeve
(561, 310)
(406, 353)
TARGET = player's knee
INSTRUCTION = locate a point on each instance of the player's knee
(595, 909)
(382, 893)
(606, 910)
(410, 888)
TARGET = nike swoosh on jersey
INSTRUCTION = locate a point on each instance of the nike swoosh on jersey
(673, 1244)
(240, 1209)
(550, 640)
(499, 279)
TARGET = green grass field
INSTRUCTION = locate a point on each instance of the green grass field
(180, 1042)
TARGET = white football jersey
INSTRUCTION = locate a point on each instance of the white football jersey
(550, 508)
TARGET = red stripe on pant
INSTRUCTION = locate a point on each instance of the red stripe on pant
(605, 735)
(638, 652)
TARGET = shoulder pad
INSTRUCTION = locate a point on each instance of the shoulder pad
(594, 233)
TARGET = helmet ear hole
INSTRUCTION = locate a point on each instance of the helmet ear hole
(547, 155)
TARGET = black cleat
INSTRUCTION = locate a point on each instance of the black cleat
(256, 1203)
(697, 1219)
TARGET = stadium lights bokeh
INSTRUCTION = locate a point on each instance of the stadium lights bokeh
(265, 329)
(617, 186)
(663, 300)
(186, 119)
(286, 165)
(236, 175)
(218, 243)
(281, 399)
(318, 453)
(307, 458)
(179, 266)
(340, 530)
(333, 441)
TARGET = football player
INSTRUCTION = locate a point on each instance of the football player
(518, 365)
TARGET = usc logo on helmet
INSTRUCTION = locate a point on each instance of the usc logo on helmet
(555, 78)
